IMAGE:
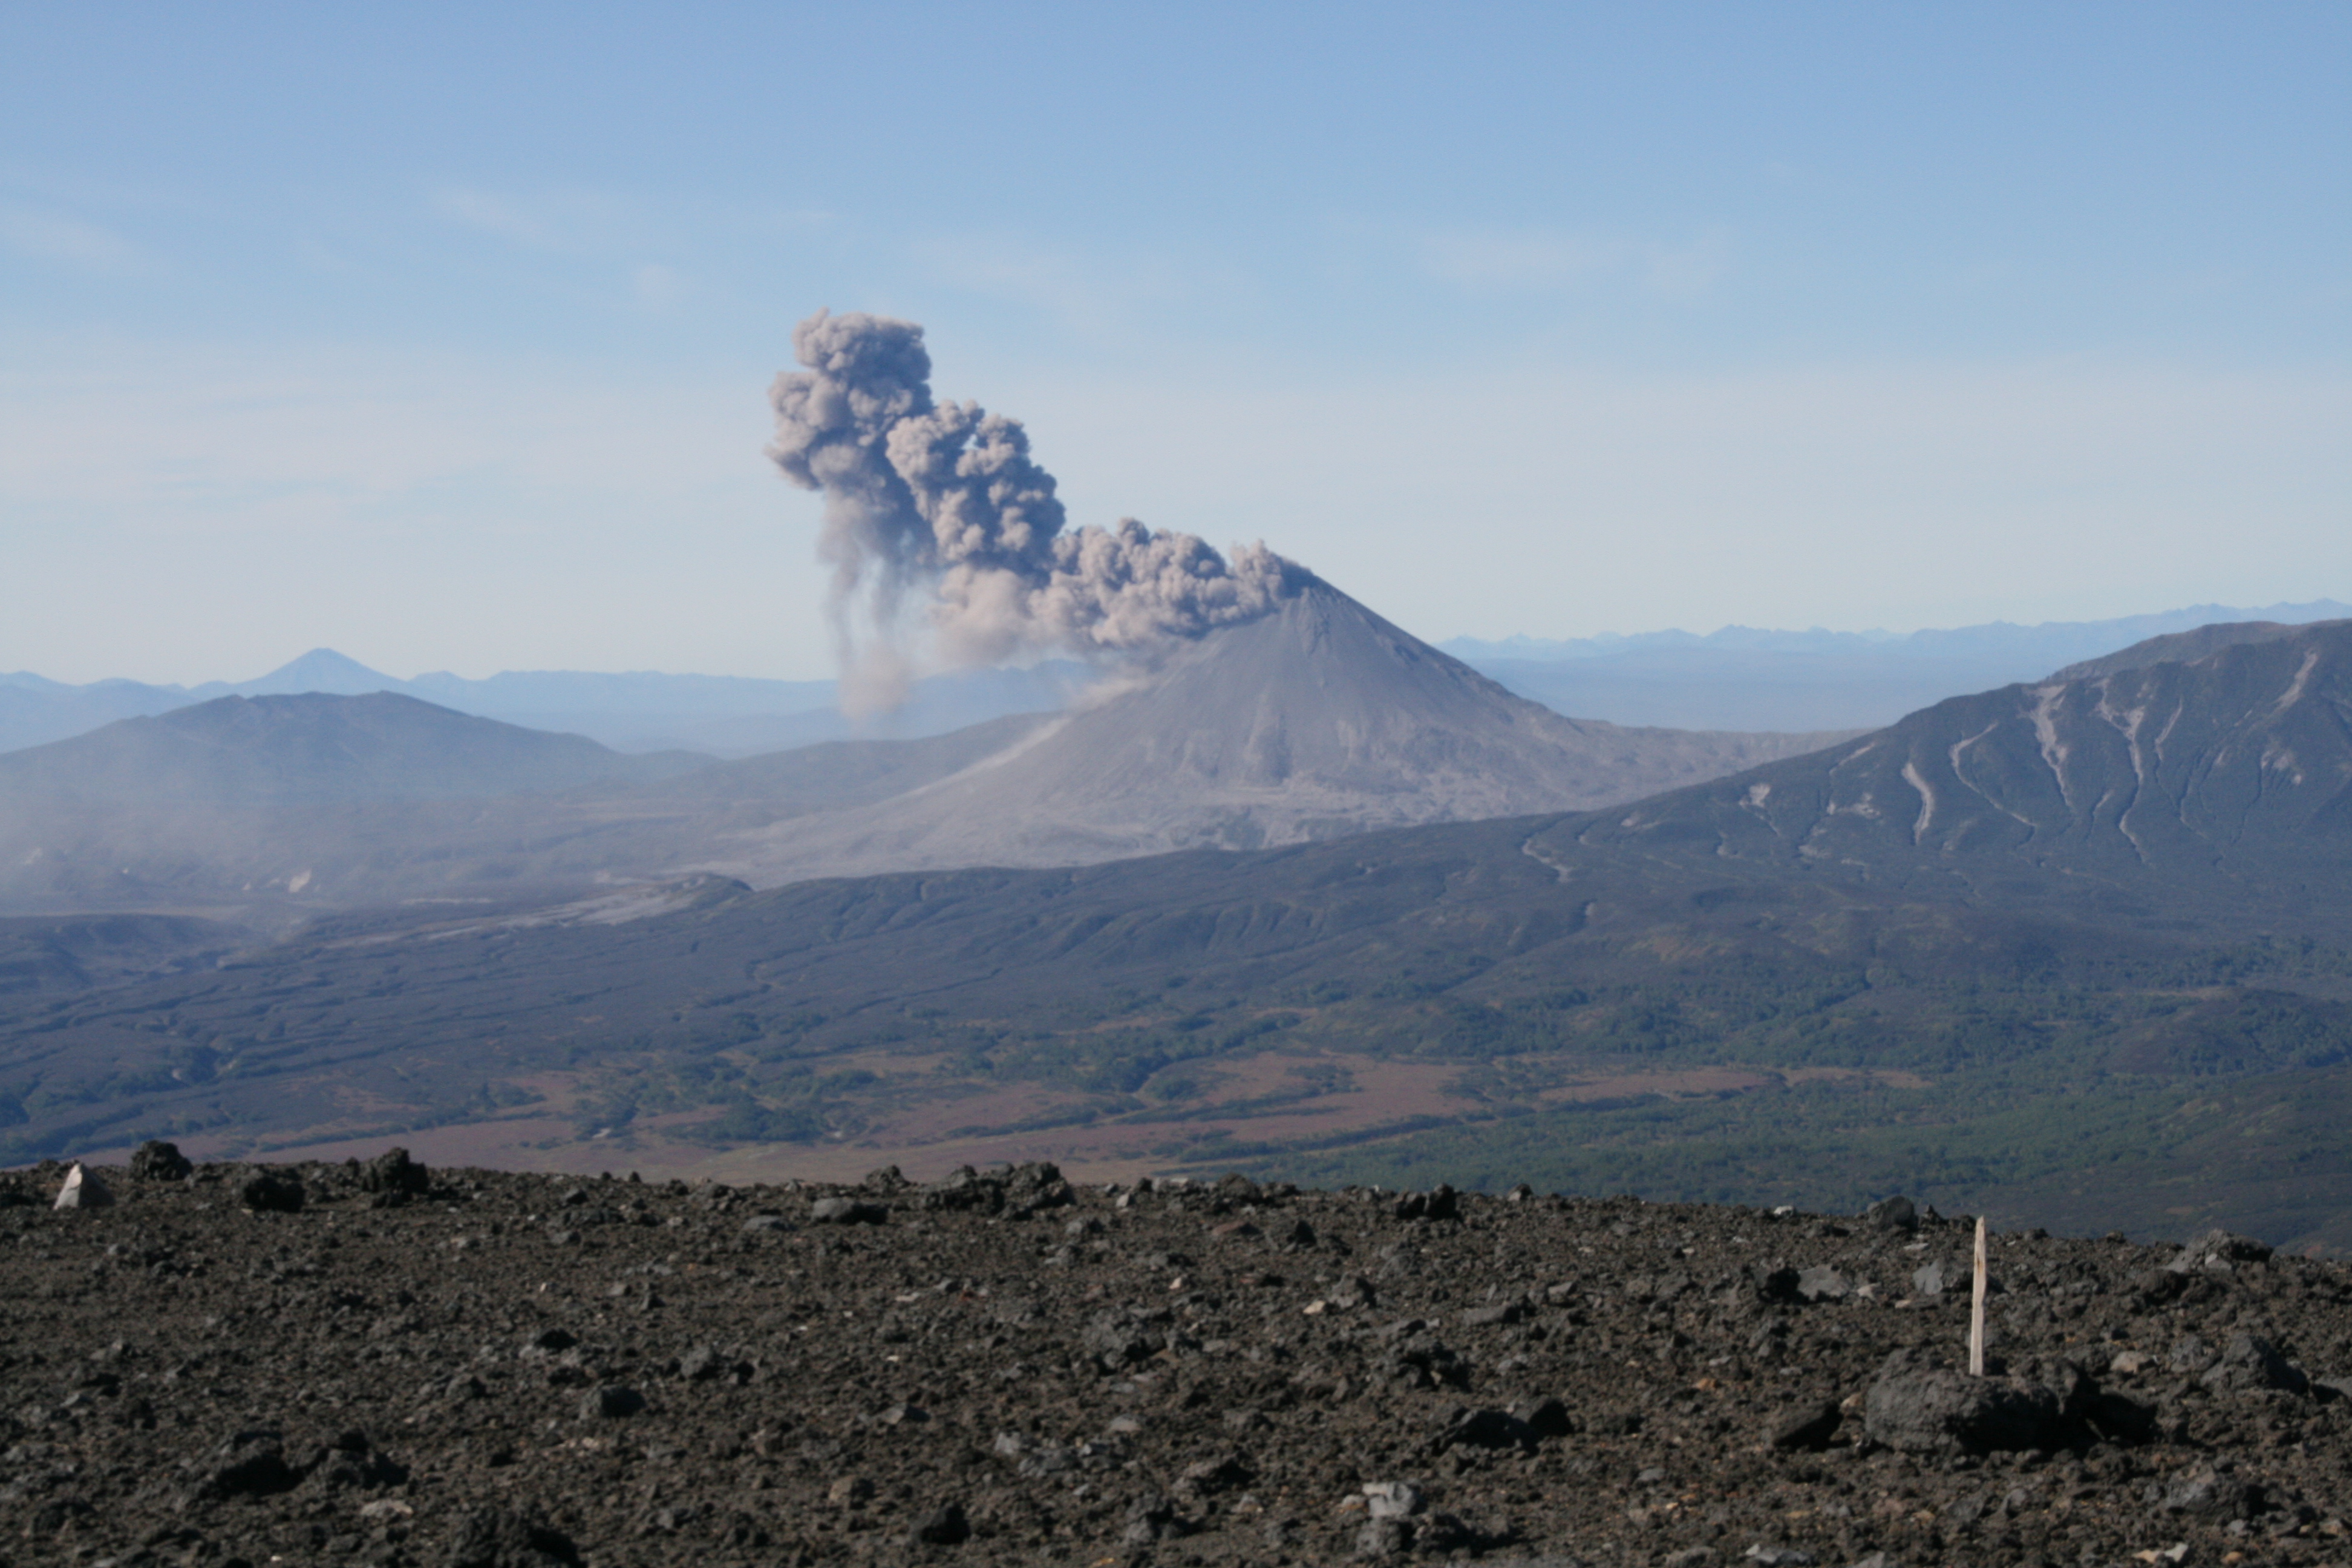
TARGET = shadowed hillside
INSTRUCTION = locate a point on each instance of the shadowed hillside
(2222, 783)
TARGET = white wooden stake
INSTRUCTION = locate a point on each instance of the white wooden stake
(1976, 1308)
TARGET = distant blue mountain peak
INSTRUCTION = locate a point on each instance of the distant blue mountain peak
(320, 670)
(2054, 642)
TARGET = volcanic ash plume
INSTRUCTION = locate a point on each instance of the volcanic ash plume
(937, 509)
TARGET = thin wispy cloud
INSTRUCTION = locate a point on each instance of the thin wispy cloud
(69, 242)
(1686, 271)
(209, 435)
(774, 220)
(657, 287)
(562, 220)
(1494, 260)
(1088, 293)
(608, 234)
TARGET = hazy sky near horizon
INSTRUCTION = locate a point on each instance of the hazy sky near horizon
(442, 334)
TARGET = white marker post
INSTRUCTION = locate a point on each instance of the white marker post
(1976, 1308)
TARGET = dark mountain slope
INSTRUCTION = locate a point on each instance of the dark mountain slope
(2071, 945)
(2225, 784)
(84, 952)
(1887, 1043)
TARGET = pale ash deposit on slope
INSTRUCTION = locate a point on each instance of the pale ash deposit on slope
(1318, 720)
(937, 511)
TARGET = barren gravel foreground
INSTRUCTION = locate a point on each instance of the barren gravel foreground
(487, 1369)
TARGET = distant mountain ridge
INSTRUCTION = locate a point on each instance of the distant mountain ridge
(2061, 640)
(1741, 676)
(1735, 678)
(632, 711)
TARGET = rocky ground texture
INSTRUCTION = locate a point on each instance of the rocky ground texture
(372, 1364)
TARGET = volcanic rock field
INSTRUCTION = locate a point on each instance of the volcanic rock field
(375, 1364)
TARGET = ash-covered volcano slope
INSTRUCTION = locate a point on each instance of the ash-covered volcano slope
(473, 1367)
(1315, 719)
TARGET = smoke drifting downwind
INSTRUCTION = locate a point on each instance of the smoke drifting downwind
(936, 512)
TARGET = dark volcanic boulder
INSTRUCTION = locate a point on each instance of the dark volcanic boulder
(943, 1527)
(501, 1538)
(1037, 1184)
(1017, 1190)
(1440, 1202)
(2250, 1361)
(963, 1188)
(1822, 1283)
(1151, 1518)
(1485, 1429)
(1545, 1417)
(160, 1162)
(2209, 1492)
(1418, 1361)
(1115, 1338)
(2219, 1252)
(1759, 1283)
(251, 1464)
(352, 1462)
(279, 1192)
(1808, 1427)
(393, 1172)
(613, 1401)
(1892, 1214)
(1921, 1405)
(2119, 1418)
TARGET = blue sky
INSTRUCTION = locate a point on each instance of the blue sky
(442, 334)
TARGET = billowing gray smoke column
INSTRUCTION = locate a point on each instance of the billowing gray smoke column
(939, 508)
